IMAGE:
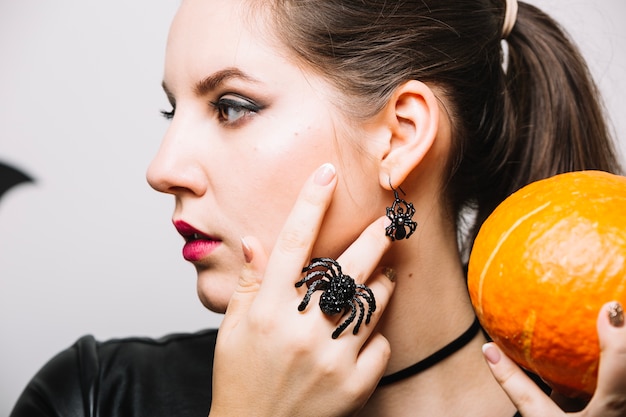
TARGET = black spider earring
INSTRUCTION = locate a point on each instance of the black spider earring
(401, 215)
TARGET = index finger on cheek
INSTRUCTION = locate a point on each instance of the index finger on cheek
(302, 226)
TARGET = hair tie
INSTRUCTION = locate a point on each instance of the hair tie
(510, 16)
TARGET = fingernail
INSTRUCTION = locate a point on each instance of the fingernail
(491, 353)
(616, 314)
(325, 174)
(247, 252)
(390, 273)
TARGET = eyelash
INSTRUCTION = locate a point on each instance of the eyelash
(222, 106)
(168, 115)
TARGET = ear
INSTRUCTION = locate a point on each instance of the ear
(412, 116)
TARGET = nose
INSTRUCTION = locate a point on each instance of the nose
(177, 167)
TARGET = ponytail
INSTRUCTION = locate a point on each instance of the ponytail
(552, 119)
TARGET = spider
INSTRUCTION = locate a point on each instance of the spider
(340, 293)
(400, 220)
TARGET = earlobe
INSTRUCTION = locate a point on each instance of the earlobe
(413, 118)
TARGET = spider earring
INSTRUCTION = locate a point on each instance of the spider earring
(401, 215)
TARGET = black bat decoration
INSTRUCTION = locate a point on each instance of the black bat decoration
(10, 177)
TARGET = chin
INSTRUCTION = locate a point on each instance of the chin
(213, 304)
(214, 293)
(216, 306)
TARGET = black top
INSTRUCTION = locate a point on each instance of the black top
(133, 377)
(125, 378)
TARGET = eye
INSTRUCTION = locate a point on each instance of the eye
(233, 108)
(168, 115)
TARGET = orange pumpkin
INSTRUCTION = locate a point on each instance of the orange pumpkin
(541, 268)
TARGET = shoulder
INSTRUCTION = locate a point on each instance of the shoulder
(120, 376)
(143, 349)
(184, 357)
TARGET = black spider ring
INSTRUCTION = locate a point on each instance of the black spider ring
(340, 293)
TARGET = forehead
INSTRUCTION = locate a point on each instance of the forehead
(207, 34)
(195, 15)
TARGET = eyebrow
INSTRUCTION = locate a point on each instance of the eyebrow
(213, 81)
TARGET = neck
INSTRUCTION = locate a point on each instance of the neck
(430, 308)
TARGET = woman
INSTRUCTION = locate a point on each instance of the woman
(385, 122)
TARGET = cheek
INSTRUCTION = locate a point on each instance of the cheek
(267, 174)
(356, 204)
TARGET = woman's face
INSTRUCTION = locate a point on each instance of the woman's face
(250, 126)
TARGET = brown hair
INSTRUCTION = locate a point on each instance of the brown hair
(538, 118)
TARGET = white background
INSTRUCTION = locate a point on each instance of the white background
(89, 247)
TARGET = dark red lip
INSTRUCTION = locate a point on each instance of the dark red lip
(198, 245)
(189, 232)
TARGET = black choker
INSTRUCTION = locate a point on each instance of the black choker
(435, 358)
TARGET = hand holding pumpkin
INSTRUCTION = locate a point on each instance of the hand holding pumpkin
(609, 399)
(542, 266)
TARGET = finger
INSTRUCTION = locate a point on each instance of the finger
(610, 396)
(364, 255)
(382, 283)
(527, 397)
(249, 282)
(359, 262)
(372, 361)
(301, 228)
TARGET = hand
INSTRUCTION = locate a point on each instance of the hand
(609, 400)
(271, 359)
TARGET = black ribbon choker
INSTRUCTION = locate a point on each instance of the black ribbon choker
(435, 358)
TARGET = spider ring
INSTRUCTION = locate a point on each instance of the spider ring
(340, 293)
